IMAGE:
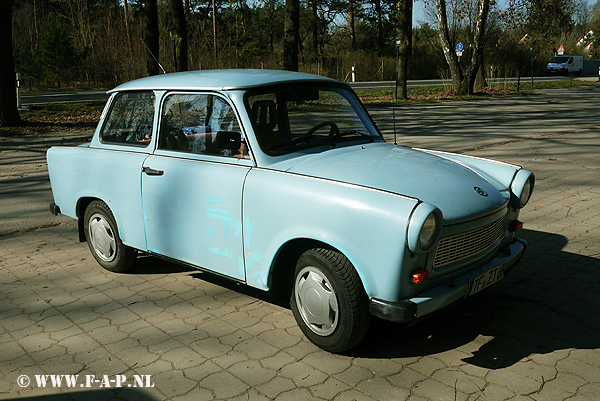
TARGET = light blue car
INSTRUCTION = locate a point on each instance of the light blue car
(281, 181)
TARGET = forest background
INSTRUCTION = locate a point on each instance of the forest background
(102, 43)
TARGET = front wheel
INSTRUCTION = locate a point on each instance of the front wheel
(328, 300)
(103, 239)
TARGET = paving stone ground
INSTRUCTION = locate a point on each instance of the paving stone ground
(534, 336)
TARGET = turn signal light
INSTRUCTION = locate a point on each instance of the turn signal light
(516, 226)
(419, 276)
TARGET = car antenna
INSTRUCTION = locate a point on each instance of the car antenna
(154, 57)
(394, 118)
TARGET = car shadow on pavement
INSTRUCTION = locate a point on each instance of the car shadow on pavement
(106, 394)
(549, 302)
(149, 264)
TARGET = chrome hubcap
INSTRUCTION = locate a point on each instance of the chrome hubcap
(316, 301)
(102, 238)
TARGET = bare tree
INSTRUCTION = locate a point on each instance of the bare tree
(404, 32)
(462, 81)
(181, 39)
(314, 27)
(9, 114)
(351, 15)
(379, 18)
(152, 36)
(291, 40)
(214, 26)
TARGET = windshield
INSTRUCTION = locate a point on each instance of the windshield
(289, 118)
(559, 59)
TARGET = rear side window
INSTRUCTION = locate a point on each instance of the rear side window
(129, 121)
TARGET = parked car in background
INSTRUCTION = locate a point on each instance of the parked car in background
(281, 181)
(565, 65)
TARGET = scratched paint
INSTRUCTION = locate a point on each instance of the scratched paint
(223, 252)
(226, 228)
(255, 276)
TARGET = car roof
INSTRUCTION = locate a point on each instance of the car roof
(219, 80)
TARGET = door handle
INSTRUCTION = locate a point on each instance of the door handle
(151, 171)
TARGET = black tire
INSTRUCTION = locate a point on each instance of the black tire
(329, 301)
(103, 239)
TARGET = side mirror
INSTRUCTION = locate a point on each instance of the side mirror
(229, 140)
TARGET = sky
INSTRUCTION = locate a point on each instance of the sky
(419, 10)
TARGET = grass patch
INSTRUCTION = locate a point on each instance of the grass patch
(436, 93)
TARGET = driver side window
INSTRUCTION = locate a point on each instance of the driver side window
(190, 123)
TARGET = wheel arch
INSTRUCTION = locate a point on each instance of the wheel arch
(284, 264)
(82, 205)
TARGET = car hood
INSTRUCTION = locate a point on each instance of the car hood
(457, 190)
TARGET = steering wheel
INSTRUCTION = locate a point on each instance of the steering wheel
(333, 130)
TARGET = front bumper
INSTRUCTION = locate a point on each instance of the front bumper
(556, 71)
(446, 294)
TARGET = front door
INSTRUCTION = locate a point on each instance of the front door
(192, 190)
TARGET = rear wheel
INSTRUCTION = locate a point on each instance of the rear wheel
(328, 300)
(103, 239)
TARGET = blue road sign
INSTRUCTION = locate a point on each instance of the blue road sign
(459, 47)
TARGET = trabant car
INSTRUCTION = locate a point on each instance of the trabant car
(281, 181)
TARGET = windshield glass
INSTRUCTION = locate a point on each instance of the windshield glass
(559, 59)
(289, 118)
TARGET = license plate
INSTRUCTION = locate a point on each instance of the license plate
(486, 279)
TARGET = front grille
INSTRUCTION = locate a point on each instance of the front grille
(461, 246)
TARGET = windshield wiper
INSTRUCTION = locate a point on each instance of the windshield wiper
(306, 141)
(371, 138)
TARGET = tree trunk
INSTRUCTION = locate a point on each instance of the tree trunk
(483, 7)
(181, 41)
(314, 26)
(352, 29)
(449, 53)
(152, 37)
(291, 40)
(214, 26)
(404, 46)
(461, 83)
(9, 114)
(242, 4)
(128, 31)
(480, 81)
(380, 27)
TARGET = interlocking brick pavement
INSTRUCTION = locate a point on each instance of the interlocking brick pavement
(534, 336)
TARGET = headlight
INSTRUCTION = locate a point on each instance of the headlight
(423, 228)
(521, 188)
(428, 232)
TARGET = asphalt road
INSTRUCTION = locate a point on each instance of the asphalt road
(93, 96)
(63, 97)
(450, 126)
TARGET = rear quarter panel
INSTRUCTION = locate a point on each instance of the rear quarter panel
(111, 176)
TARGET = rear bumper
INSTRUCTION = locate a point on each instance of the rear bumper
(446, 294)
(54, 209)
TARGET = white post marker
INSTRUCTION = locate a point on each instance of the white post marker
(18, 80)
